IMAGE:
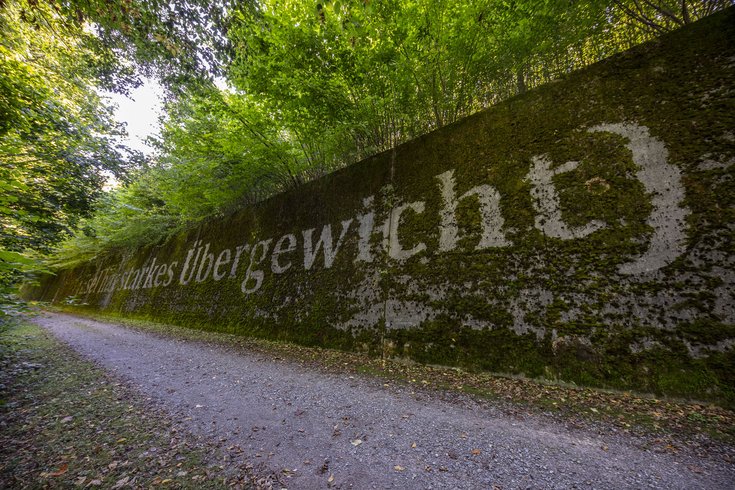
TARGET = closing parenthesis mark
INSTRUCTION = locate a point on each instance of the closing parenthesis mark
(662, 182)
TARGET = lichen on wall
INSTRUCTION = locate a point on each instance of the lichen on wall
(582, 231)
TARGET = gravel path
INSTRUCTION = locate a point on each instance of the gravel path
(319, 430)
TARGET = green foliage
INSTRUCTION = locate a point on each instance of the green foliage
(57, 138)
(354, 78)
(56, 135)
(223, 149)
(666, 15)
(180, 42)
(219, 152)
(13, 267)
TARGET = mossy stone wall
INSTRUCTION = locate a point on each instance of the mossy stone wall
(582, 231)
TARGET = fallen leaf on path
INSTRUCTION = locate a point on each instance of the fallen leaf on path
(413, 445)
(476, 452)
(356, 442)
(121, 482)
(330, 479)
(62, 469)
(398, 468)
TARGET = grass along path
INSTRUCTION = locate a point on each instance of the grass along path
(66, 423)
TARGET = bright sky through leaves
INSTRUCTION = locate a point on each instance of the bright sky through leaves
(140, 112)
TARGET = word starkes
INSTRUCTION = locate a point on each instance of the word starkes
(203, 262)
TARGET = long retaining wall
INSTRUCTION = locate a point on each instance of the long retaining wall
(582, 231)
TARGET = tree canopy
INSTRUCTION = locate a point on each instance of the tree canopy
(58, 137)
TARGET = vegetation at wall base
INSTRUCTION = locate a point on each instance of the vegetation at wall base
(607, 366)
(663, 418)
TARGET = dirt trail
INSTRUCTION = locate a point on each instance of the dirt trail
(319, 430)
